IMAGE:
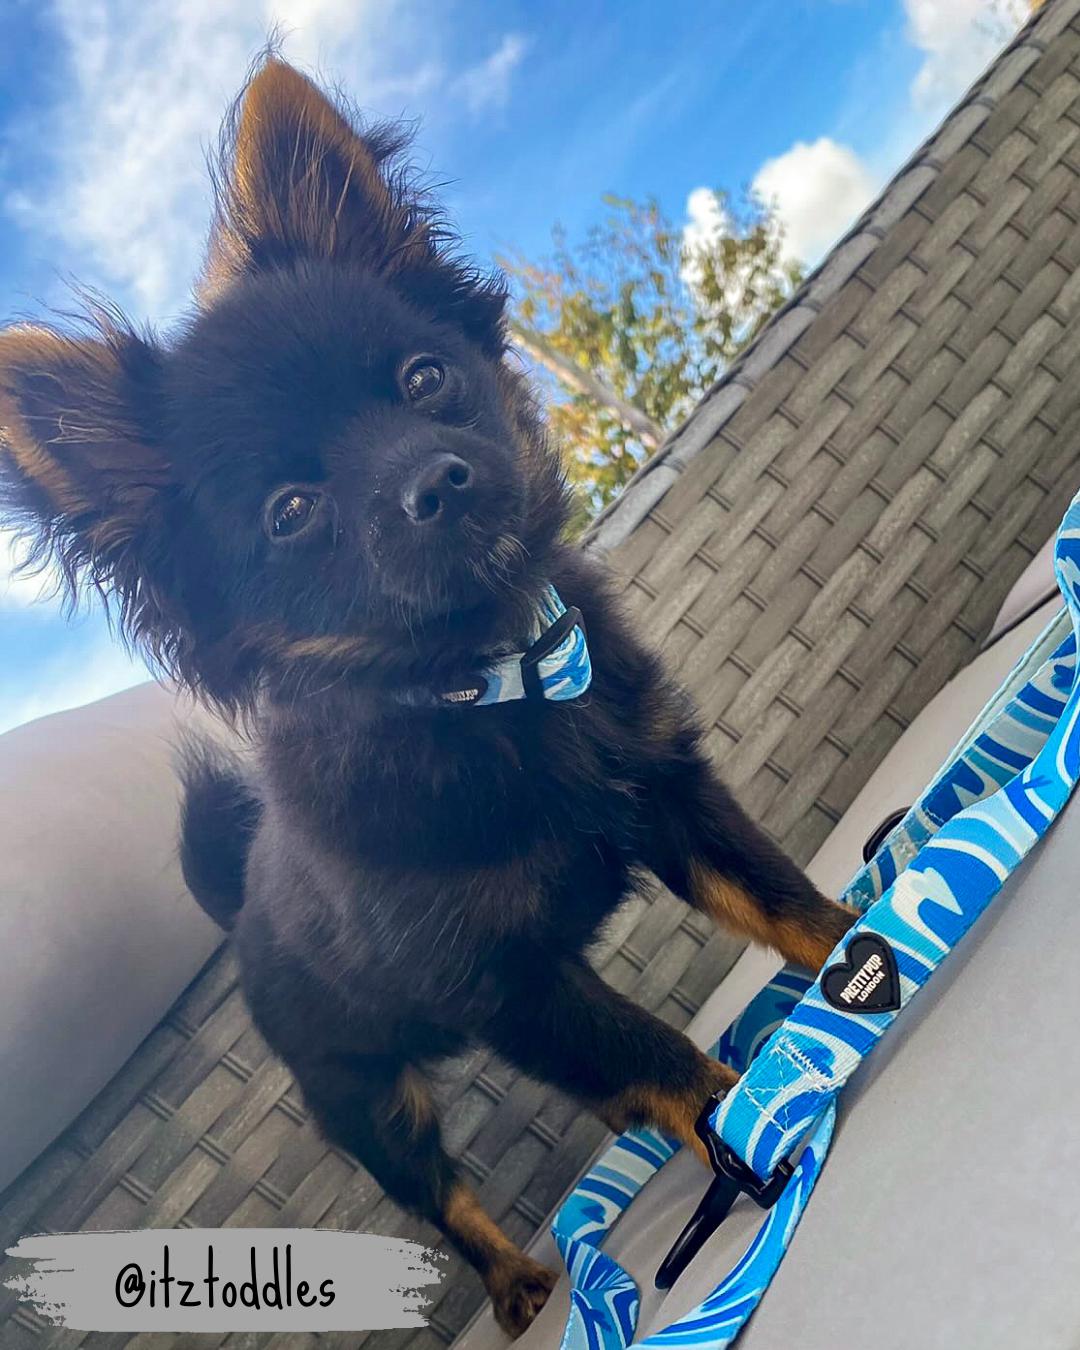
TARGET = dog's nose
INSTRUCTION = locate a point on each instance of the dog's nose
(439, 492)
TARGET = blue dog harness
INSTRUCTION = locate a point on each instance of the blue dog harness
(555, 666)
(800, 1039)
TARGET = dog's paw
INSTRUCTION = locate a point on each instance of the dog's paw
(519, 1288)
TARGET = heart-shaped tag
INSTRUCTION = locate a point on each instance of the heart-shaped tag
(866, 980)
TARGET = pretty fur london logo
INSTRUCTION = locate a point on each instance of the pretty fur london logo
(867, 980)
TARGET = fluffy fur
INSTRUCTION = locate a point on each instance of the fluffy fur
(400, 881)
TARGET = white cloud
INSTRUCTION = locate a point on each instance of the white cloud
(818, 189)
(958, 39)
(705, 218)
(147, 81)
(129, 197)
(63, 683)
(487, 84)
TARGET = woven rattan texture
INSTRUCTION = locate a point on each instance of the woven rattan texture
(817, 550)
(203, 1128)
(833, 541)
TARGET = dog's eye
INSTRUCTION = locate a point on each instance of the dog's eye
(290, 513)
(422, 378)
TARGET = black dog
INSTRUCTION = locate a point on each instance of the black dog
(328, 506)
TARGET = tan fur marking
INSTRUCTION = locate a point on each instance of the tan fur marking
(674, 1113)
(83, 424)
(517, 1285)
(328, 648)
(467, 1219)
(414, 1100)
(729, 904)
(25, 350)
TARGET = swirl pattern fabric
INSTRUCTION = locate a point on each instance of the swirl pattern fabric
(929, 882)
(718, 1319)
(565, 673)
(1015, 777)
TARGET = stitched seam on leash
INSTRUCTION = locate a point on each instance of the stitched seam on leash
(819, 1081)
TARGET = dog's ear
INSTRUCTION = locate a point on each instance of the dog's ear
(295, 179)
(79, 476)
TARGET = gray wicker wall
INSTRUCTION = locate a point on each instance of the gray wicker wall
(829, 536)
(817, 550)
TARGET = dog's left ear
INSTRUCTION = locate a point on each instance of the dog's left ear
(80, 474)
(296, 180)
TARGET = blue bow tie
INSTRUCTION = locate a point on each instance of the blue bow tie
(555, 666)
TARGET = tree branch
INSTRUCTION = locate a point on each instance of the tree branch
(584, 382)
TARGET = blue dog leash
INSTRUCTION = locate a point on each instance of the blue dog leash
(799, 1041)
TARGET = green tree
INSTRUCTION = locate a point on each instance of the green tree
(638, 321)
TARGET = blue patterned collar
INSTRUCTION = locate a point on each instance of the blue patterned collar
(555, 666)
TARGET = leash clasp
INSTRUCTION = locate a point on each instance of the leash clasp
(733, 1178)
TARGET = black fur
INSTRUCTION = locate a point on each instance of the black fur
(411, 880)
(218, 820)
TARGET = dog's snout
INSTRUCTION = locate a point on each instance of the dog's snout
(439, 492)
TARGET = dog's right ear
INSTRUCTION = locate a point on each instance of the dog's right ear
(80, 476)
(295, 180)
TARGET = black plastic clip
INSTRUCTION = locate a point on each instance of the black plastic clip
(733, 1178)
(544, 645)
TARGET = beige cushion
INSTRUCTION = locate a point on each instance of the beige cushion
(1035, 584)
(98, 934)
(916, 756)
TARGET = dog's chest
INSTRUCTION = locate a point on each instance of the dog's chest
(462, 790)
(460, 852)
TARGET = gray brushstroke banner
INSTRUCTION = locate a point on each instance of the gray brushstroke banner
(226, 1279)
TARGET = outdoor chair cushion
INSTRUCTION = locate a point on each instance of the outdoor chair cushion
(98, 933)
(1034, 586)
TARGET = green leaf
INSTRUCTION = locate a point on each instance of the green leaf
(652, 318)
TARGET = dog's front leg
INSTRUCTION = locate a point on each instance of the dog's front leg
(704, 847)
(566, 1026)
(384, 1115)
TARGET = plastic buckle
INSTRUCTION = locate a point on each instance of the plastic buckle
(544, 645)
(733, 1178)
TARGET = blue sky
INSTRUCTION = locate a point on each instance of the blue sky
(527, 111)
